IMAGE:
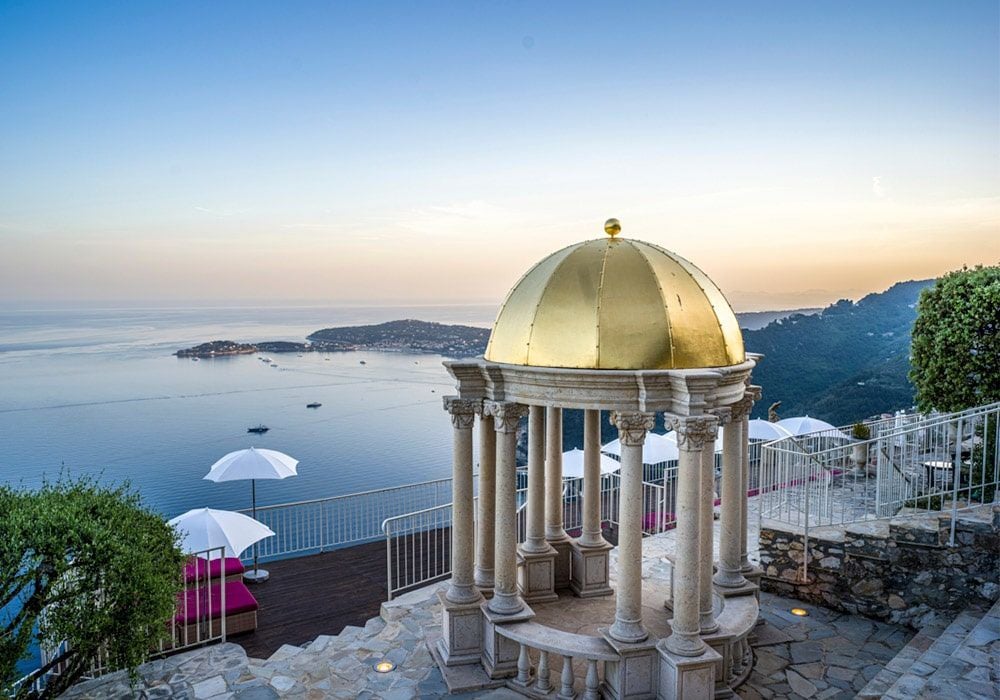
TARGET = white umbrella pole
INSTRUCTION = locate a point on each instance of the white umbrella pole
(253, 507)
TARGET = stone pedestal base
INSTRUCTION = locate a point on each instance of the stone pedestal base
(461, 632)
(590, 570)
(536, 576)
(746, 589)
(686, 677)
(635, 674)
(563, 556)
(753, 575)
(721, 644)
(499, 656)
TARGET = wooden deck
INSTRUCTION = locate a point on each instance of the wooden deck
(316, 594)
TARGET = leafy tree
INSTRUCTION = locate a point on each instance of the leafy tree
(84, 564)
(955, 352)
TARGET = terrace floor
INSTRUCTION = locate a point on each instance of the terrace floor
(316, 594)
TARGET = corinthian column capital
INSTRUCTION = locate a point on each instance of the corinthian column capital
(694, 432)
(725, 414)
(632, 426)
(463, 411)
(742, 408)
(506, 414)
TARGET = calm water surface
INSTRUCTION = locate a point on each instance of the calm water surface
(96, 391)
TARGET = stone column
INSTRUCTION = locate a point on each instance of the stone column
(487, 503)
(706, 525)
(535, 536)
(693, 433)
(554, 531)
(536, 555)
(590, 570)
(752, 395)
(506, 416)
(733, 504)
(461, 640)
(591, 535)
(627, 626)
(462, 587)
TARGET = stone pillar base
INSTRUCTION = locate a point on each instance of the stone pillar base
(499, 657)
(564, 553)
(746, 589)
(461, 632)
(590, 570)
(635, 674)
(536, 576)
(721, 644)
(687, 677)
(753, 576)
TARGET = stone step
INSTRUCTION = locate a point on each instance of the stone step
(321, 642)
(911, 683)
(973, 669)
(901, 663)
(285, 651)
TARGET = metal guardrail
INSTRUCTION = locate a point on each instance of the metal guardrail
(323, 524)
(912, 464)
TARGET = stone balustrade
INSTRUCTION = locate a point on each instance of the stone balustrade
(571, 647)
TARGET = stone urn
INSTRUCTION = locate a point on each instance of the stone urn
(859, 455)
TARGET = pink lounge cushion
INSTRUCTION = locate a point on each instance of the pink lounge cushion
(192, 604)
(196, 568)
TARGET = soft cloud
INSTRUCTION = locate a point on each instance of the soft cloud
(877, 188)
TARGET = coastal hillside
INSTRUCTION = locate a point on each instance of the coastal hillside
(844, 363)
(407, 335)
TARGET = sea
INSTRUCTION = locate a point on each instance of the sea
(98, 392)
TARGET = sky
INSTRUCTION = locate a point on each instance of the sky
(430, 152)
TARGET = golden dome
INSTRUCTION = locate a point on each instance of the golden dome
(616, 303)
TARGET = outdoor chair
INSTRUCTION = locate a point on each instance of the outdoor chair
(200, 606)
(198, 569)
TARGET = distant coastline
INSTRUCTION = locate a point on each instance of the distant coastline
(407, 335)
(394, 336)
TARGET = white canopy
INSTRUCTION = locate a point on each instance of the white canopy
(572, 464)
(764, 430)
(206, 528)
(804, 425)
(655, 450)
(253, 464)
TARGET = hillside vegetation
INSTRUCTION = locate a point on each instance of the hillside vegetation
(847, 362)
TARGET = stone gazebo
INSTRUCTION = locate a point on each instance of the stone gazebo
(623, 326)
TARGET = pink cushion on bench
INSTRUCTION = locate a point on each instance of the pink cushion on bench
(196, 568)
(239, 599)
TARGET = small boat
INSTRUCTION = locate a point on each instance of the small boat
(327, 359)
(194, 359)
(363, 362)
(273, 364)
(299, 355)
(258, 429)
(314, 404)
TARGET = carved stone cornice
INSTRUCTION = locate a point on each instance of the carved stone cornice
(463, 411)
(632, 426)
(694, 432)
(506, 415)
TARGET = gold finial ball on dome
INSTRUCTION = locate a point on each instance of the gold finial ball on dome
(612, 227)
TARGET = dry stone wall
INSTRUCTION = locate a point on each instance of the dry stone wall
(901, 570)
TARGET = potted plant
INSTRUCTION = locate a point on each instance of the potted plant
(859, 453)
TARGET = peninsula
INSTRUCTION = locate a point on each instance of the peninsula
(394, 336)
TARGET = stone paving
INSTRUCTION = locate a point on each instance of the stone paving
(824, 655)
